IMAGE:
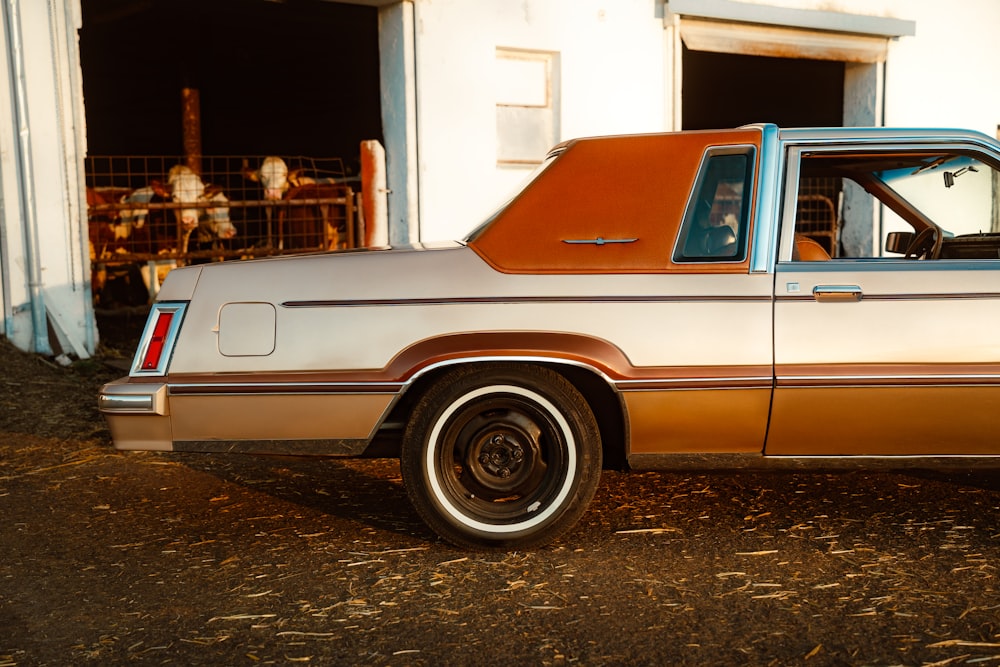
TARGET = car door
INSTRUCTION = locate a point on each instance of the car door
(896, 353)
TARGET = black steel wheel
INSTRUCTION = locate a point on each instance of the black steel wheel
(501, 456)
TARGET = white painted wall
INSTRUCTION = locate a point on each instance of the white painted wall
(615, 61)
(615, 77)
(612, 81)
(44, 256)
(947, 75)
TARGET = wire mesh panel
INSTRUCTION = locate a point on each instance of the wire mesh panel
(148, 214)
(816, 214)
(142, 207)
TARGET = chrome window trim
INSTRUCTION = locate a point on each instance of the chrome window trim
(304, 388)
(676, 255)
(882, 264)
(785, 218)
(522, 300)
(865, 380)
(765, 218)
(914, 296)
(795, 142)
(892, 137)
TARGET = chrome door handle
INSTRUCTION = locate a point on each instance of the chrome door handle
(837, 293)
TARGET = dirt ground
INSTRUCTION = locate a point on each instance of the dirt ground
(113, 557)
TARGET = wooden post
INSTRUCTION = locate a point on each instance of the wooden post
(191, 112)
(374, 194)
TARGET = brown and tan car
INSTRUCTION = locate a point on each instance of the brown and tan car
(729, 299)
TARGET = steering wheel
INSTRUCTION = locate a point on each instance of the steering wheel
(925, 245)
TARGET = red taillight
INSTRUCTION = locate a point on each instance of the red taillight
(151, 359)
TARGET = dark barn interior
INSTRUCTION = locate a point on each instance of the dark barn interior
(729, 90)
(287, 77)
(295, 79)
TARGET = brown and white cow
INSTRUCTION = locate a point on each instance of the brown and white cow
(138, 228)
(281, 183)
(203, 211)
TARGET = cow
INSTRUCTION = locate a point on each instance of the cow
(273, 178)
(184, 187)
(276, 178)
(279, 182)
(102, 221)
(204, 212)
(214, 224)
(141, 228)
(306, 229)
(111, 282)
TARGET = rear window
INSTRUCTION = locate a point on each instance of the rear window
(717, 218)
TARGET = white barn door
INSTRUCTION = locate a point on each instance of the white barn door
(44, 255)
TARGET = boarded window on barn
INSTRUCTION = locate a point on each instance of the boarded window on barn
(527, 99)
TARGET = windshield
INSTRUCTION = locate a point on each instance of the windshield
(954, 191)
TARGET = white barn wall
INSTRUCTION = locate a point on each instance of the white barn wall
(947, 75)
(611, 81)
(615, 62)
(615, 76)
(43, 246)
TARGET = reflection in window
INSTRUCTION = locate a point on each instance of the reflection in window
(952, 190)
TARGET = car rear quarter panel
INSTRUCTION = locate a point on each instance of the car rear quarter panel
(336, 314)
(359, 327)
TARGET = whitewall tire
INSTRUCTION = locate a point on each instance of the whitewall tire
(501, 456)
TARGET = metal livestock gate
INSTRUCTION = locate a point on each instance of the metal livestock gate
(319, 209)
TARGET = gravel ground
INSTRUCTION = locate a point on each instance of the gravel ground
(113, 557)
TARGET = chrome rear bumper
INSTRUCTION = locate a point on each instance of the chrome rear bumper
(137, 414)
(122, 397)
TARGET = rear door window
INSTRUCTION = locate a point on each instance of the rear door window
(717, 217)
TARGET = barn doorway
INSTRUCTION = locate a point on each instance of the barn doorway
(222, 88)
(723, 90)
(295, 77)
(728, 90)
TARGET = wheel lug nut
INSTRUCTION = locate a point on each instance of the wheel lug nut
(504, 473)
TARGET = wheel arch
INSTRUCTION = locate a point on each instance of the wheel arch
(603, 400)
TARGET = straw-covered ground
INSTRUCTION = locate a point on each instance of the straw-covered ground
(113, 557)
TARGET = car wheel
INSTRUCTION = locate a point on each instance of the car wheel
(501, 456)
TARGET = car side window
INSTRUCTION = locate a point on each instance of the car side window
(918, 204)
(716, 220)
